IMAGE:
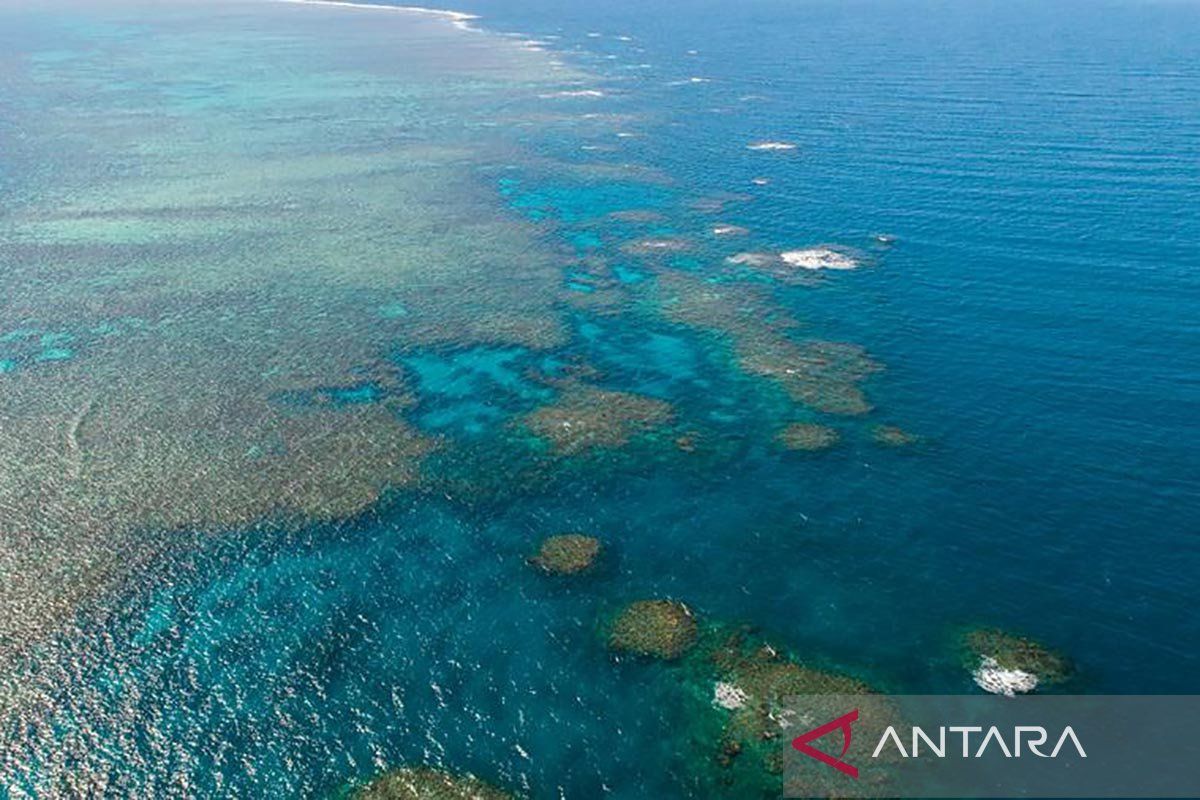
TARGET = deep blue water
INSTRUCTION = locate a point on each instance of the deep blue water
(1038, 166)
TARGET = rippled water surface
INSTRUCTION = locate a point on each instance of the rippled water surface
(315, 321)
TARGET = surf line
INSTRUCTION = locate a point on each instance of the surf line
(458, 19)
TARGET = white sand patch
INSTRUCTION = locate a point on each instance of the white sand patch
(818, 258)
(991, 677)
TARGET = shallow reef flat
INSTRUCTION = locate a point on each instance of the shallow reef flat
(825, 376)
(227, 220)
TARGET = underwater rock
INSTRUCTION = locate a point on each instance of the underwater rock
(585, 417)
(892, 436)
(663, 629)
(426, 783)
(807, 436)
(1006, 663)
(567, 554)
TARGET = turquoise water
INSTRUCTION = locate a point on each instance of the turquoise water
(435, 258)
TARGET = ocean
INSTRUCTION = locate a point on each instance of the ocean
(316, 320)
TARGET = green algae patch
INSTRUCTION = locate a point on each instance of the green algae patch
(585, 417)
(664, 629)
(991, 649)
(808, 437)
(893, 436)
(426, 783)
(567, 554)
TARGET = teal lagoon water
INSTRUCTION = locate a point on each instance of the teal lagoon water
(457, 241)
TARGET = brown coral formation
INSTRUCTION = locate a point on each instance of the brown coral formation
(1012, 651)
(663, 629)
(807, 436)
(585, 417)
(892, 436)
(252, 273)
(825, 376)
(567, 554)
(426, 783)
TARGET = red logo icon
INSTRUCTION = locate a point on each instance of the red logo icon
(842, 723)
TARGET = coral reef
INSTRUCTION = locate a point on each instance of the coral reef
(1007, 663)
(807, 436)
(745, 699)
(892, 436)
(426, 783)
(586, 417)
(567, 554)
(663, 629)
(825, 376)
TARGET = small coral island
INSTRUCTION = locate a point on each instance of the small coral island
(1008, 664)
(663, 629)
(567, 554)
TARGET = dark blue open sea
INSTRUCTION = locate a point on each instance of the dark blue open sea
(296, 302)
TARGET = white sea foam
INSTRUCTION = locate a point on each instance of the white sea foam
(770, 146)
(728, 696)
(991, 677)
(729, 230)
(573, 93)
(818, 258)
(760, 181)
(458, 19)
